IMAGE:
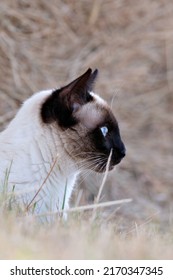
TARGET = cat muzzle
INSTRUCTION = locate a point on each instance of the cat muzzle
(118, 154)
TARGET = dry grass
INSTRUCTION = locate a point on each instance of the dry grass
(81, 239)
(44, 44)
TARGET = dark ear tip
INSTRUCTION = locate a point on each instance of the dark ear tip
(89, 71)
(95, 73)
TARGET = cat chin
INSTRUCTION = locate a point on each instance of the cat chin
(102, 170)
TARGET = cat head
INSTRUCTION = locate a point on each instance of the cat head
(85, 123)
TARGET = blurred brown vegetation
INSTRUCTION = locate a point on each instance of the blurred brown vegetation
(44, 44)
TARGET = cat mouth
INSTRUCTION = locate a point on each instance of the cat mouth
(102, 167)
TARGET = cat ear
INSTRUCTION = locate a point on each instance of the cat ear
(63, 102)
(77, 93)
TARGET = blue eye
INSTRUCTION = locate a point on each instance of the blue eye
(104, 130)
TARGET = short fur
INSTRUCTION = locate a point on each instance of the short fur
(55, 135)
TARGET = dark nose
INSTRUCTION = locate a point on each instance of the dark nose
(122, 151)
(119, 153)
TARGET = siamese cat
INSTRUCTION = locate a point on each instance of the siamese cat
(57, 134)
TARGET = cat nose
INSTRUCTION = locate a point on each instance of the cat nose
(123, 151)
(119, 153)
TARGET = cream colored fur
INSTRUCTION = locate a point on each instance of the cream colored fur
(32, 148)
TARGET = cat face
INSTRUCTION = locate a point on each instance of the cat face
(85, 123)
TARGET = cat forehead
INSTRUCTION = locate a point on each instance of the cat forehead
(94, 113)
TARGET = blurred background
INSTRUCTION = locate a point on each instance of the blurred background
(45, 44)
